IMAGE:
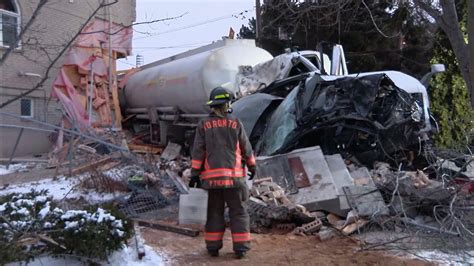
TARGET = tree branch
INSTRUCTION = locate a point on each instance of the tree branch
(70, 42)
(19, 37)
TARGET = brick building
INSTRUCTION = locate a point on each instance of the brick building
(54, 26)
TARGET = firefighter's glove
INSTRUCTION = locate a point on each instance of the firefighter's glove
(251, 172)
(195, 182)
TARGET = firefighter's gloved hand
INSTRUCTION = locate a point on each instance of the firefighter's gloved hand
(251, 172)
(195, 182)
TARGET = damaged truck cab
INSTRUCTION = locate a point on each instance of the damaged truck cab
(370, 115)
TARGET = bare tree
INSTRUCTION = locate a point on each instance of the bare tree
(17, 39)
(446, 16)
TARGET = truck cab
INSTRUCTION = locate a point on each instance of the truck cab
(335, 67)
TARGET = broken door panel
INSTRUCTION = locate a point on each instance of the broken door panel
(249, 109)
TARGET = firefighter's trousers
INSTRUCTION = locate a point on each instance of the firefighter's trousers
(239, 218)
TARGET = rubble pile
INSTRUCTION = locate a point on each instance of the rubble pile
(269, 208)
(443, 206)
(345, 197)
(305, 192)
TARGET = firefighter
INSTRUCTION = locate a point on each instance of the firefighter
(220, 147)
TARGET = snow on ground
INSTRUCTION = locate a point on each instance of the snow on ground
(66, 187)
(18, 167)
(63, 188)
(124, 257)
(128, 257)
(438, 256)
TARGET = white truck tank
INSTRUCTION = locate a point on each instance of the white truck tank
(185, 80)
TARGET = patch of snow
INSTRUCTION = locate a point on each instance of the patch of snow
(128, 257)
(4, 171)
(22, 202)
(73, 213)
(22, 211)
(62, 188)
(43, 212)
(103, 216)
(47, 225)
(117, 224)
(41, 199)
(48, 260)
(446, 258)
(71, 225)
(57, 188)
(18, 167)
(124, 257)
(119, 233)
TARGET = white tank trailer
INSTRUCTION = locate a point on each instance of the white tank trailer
(173, 91)
(185, 80)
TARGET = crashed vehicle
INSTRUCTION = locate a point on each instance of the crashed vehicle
(286, 102)
(373, 116)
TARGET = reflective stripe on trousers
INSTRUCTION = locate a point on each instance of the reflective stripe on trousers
(239, 218)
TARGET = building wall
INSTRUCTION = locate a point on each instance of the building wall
(55, 25)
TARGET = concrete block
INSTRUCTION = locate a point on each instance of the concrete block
(341, 177)
(366, 200)
(362, 176)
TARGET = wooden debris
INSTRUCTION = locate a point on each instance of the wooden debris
(168, 227)
(138, 242)
(419, 178)
(88, 166)
(354, 227)
(178, 182)
(49, 240)
(139, 148)
(110, 165)
(86, 148)
(333, 219)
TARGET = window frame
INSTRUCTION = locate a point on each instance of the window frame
(32, 108)
(17, 15)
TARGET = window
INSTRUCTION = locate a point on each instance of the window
(26, 108)
(9, 22)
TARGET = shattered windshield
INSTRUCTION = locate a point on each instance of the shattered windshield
(282, 123)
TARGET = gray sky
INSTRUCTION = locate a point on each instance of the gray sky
(204, 21)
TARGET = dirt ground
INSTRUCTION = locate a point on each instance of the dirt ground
(269, 249)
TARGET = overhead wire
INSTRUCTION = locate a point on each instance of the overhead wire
(195, 24)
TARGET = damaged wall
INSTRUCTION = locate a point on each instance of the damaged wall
(55, 24)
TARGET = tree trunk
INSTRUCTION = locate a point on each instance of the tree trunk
(449, 23)
(470, 32)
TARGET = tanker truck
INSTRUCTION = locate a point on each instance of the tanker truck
(169, 95)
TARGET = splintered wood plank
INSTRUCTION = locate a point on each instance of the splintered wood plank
(144, 148)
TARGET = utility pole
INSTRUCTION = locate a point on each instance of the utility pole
(257, 22)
